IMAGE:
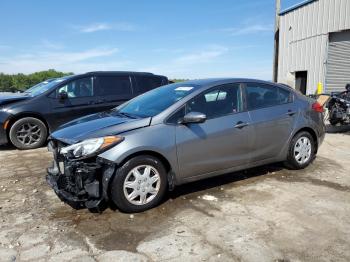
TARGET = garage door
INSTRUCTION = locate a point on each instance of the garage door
(338, 62)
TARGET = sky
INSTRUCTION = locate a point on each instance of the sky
(184, 39)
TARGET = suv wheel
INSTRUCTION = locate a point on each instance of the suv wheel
(28, 133)
(301, 151)
(139, 184)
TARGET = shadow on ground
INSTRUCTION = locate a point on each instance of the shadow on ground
(7, 147)
(218, 181)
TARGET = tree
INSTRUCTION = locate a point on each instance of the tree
(21, 82)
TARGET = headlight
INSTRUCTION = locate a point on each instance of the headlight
(90, 147)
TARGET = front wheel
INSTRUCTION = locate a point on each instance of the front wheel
(139, 184)
(301, 151)
(28, 133)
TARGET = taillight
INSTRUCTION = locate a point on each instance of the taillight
(317, 107)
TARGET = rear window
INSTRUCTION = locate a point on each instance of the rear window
(113, 85)
(147, 83)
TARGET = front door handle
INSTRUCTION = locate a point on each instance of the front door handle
(241, 124)
(290, 113)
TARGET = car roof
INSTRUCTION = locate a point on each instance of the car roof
(119, 73)
(220, 81)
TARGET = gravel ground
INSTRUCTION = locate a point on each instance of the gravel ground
(264, 214)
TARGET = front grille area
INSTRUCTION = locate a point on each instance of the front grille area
(62, 182)
(81, 183)
(78, 174)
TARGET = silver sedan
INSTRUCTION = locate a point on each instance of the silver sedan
(179, 133)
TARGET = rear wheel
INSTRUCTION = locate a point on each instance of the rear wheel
(139, 184)
(301, 151)
(28, 133)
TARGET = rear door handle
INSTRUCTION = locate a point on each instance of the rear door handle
(241, 124)
(290, 113)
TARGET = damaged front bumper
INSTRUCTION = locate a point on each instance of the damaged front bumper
(80, 183)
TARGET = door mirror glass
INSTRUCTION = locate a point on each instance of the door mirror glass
(62, 95)
(193, 117)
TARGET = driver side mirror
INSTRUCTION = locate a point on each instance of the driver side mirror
(62, 96)
(193, 117)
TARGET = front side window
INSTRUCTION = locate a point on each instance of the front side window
(82, 87)
(177, 116)
(114, 85)
(219, 101)
(261, 95)
(44, 86)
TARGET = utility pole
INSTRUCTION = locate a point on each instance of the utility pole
(276, 40)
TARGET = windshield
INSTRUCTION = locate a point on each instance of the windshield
(43, 86)
(156, 100)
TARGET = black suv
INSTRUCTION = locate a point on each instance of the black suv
(27, 118)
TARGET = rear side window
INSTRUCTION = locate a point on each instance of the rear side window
(113, 85)
(285, 96)
(147, 83)
(262, 95)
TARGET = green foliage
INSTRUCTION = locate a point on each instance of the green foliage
(178, 80)
(21, 82)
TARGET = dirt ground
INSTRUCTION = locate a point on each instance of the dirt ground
(263, 214)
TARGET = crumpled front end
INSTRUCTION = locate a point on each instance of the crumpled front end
(80, 183)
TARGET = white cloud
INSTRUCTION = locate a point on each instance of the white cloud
(95, 27)
(69, 57)
(168, 50)
(216, 66)
(249, 29)
(61, 60)
(4, 47)
(202, 56)
(105, 26)
(263, 72)
(47, 44)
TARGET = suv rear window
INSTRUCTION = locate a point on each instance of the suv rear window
(146, 83)
(113, 85)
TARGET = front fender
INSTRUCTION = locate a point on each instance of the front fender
(159, 139)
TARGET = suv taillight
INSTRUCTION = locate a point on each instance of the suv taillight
(317, 107)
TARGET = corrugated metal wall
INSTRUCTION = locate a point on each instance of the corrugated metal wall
(304, 39)
(338, 61)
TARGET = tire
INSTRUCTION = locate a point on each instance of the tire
(138, 186)
(28, 133)
(307, 154)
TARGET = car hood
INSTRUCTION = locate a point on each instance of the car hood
(97, 125)
(7, 98)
